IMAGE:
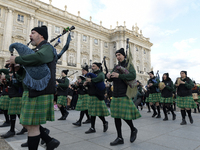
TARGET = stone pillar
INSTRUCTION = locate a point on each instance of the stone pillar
(78, 50)
(133, 49)
(142, 59)
(7, 38)
(91, 48)
(101, 50)
(49, 26)
(30, 27)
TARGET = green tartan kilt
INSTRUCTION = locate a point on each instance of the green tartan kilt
(62, 100)
(97, 107)
(124, 108)
(4, 102)
(82, 103)
(15, 106)
(155, 97)
(37, 110)
(147, 100)
(166, 100)
(185, 102)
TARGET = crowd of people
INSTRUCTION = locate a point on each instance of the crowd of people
(92, 94)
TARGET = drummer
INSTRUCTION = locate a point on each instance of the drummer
(195, 93)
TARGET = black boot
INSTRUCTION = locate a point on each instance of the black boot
(117, 141)
(53, 144)
(183, 114)
(158, 109)
(133, 135)
(173, 116)
(183, 122)
(198, 108)
(8, 134)
(190, 116)
(154, 111)
(195, 110)
(78, 123)
(105, 126)
(91, 130)
(22, 131)
(165, 113)
(24, 144)
(66, 113)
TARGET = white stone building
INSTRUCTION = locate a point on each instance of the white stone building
(89, 40)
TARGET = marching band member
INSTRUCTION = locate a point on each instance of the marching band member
(185, 101)
(62, 92)
(166, 96)
(37, 106)
(96, 107)
(195, 92)
(121, 106)
(83, 99)
(154, 95)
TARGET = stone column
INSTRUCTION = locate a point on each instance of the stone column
(91, 48)
(30, 27)
(78, 50)
(142, 59)
(49, 26)
(7, 38)
(133, 49)
(101, 50)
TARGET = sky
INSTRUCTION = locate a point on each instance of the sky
(173, 27)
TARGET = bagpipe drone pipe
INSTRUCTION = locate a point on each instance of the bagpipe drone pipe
(37, 77)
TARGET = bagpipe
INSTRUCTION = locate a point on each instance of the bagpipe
(37, 77)
(155, 80)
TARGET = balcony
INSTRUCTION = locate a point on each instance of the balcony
(71, 64)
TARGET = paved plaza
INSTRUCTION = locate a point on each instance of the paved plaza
(153, 134)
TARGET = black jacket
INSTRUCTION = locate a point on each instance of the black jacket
(168, 90)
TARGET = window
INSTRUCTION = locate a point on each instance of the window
(40, 23)
(136, 48)
(84, 38)
(57, 29)
(72, 34)
(96, 41)
(144, 52)
(138, 69)
(144, 69)
(0, 11)
(106, 44)
(20, 18)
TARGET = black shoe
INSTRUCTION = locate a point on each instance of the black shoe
(165, 119)
(191, 120)
(154, 114)
(195, 111)
(78, 123)
(24, 144)
(8, 134)
(133, 135)
(22, 131)
(53, 144)
(65, 115)
(117, 141)
(87, 121)
(183, 122)
(149, 111)
(47, 131)
(174, 117)
(61, 118)
(90, 131)
(159, 116)
(105, 126)
(5, 124)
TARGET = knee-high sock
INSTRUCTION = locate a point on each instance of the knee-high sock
(44, 136)
(164, 110)
(171, 109)
(62, 110)
(93, 119)
(81, 116)
(158, 109)
(102, 119)
(18, 116)
(118, 125)
(5, 112)
(148, 106)
(12, 121)
(189, 113)
(154, 109)
(183, 114)
(198, 107)
(86, 112)
(33, 142)
(130, 123)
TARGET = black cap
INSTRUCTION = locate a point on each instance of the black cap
(42, 31)
(184, 72)
(98, 64)
(85, 68)
(167, 74)
(151, 72)
(65, 72)
(121, 51)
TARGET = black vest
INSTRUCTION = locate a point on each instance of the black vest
(62, 91)
(81, 89)
(152, 89)
(165, 92)
(51, 87)
(182, 91)
(4, 91)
